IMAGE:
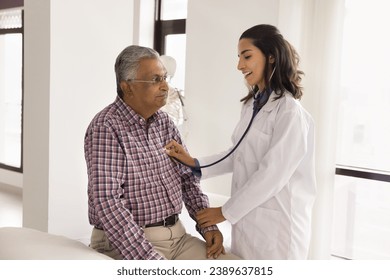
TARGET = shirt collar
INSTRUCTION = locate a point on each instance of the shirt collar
(132, 116)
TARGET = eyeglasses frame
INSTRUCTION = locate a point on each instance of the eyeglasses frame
(156, 80)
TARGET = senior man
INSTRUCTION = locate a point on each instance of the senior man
(135, 191)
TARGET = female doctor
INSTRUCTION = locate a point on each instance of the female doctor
(273, 183)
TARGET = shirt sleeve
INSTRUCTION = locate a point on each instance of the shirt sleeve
(106, 162)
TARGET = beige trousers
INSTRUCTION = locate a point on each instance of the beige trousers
(171, 242)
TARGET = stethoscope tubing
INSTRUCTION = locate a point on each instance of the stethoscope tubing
(255, 111)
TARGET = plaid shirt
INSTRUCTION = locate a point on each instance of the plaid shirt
(131, 181)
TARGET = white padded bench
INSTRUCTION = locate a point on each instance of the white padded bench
(18, 243)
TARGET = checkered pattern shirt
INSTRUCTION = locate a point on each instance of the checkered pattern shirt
(131, 181)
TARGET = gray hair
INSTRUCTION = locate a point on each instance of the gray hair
(127, 63)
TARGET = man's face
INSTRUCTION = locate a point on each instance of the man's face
(147, 97)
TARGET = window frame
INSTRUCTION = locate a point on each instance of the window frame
(362, 173)
(8, 4)
(20, 30)
(162, 28)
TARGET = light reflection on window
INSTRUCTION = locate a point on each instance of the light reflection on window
(364, 126)
(361, 223)
(175, 46)
(10, 99)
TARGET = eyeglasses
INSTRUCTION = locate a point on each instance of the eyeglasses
(156, 80)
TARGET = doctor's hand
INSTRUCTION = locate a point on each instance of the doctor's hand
(214, 244)
(176, 151)
(209, 217)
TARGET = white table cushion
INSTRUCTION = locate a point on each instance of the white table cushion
(30, 244)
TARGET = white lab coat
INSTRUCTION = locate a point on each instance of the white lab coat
(273, 183)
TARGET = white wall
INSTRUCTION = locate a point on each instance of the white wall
(70, 50)
(214, 86)
(36, 113)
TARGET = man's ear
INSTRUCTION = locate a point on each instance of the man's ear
(125, 87)
(271, 59)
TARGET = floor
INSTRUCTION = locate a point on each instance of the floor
(11, 211)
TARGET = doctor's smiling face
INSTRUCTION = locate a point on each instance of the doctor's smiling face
(251, 63)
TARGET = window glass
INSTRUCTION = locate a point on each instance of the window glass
(10, 19)
(361, 207)
(11, 59)
(361, 227)
(10, 99)
(364, 119)
(175, 46)
(173, 9)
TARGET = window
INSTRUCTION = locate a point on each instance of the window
(364, 134)
(362, 186)
(170, 37)
(11, 89)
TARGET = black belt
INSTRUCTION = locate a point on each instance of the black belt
(167, 222)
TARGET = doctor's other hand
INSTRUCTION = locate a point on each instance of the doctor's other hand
(214, 244)
(209, 217)
(176, 151)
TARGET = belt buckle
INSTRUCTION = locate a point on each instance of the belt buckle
(165, 221)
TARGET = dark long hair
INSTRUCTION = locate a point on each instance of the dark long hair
(287, 76)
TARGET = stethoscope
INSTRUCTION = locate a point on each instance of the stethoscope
(259, 100)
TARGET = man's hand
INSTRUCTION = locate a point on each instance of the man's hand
(214, 244)
(209, 217)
